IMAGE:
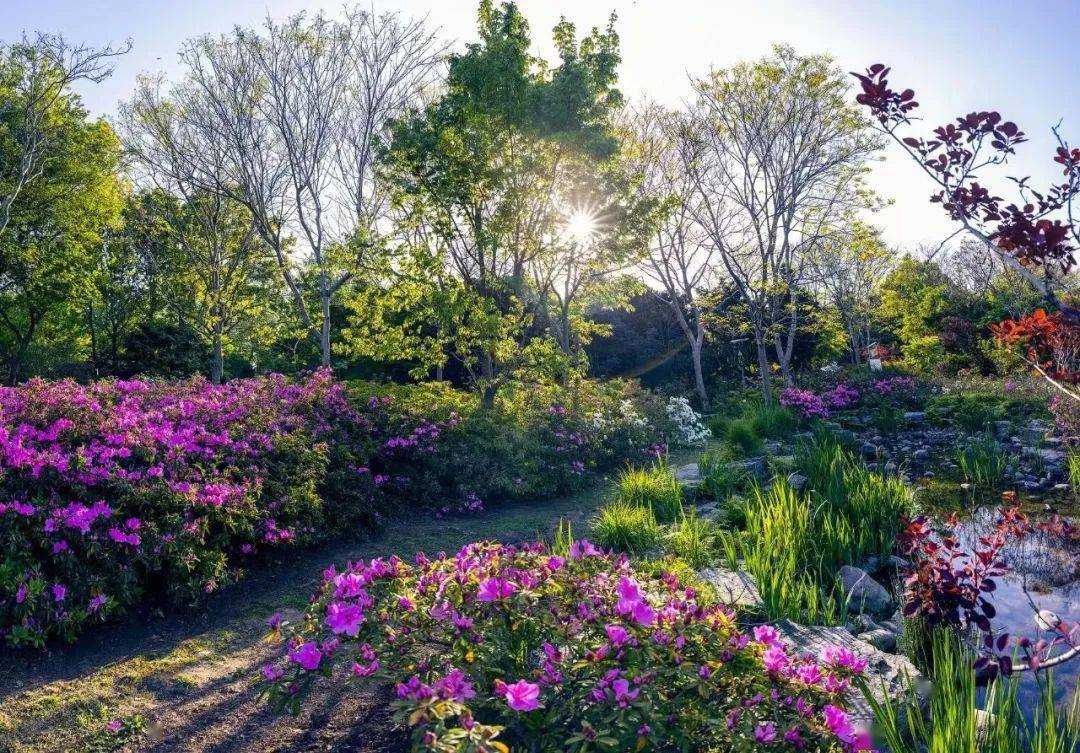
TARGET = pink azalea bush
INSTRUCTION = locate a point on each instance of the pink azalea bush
(499, 646)
(810, 404)
(120, 492)
(807, 403)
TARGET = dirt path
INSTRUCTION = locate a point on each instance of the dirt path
(187, 681)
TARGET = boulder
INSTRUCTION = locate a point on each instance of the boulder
(688, 475)
(863, 593)
(733, 587)
(915, 416)
(882, 639)
(754, 466)
(798, 481)
(885, 673)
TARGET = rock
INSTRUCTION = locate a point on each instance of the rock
(921, 454)
(965, 486)
(869, 450)
(880, 638)
(773, 447)
(798, 481)
(754, 466)
(732, 587)
(688, 475)
(1061, 487)
(1002, 428)
(885, 673)
(915, 416)
(863, 593)
(1047, 620)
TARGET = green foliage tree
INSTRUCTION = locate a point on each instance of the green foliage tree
(54, 229)
(485, 167)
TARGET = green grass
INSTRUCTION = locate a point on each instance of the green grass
(720, 478)
(982, 463)
(627, 527)
(743, 437)
(953, 725)
(795, 544)
(770, 421)
(694, 540)
(1072, 466)
(654, 488)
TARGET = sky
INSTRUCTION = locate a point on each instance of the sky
(1015, 57)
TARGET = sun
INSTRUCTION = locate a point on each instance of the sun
(582, 225)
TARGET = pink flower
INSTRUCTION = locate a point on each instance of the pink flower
(774, 659)
(59, 591)
(272, 673)
(521, 696)
(495, 589)
(96, 603)
(617, 635)
(767, 634)
(307, 656)
(344, 618)
(624, 695)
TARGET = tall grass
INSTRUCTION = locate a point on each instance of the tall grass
(982, 463)
(953, 724)
(655, 488)
(720, 478)
(771, 421)
(859, 511)
(743, 437)
(779, 548)
(626, 527)
(1072, 465)
(794, 544)
(694, 540)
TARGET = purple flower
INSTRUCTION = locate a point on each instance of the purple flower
(521, 695)
(344, 618)
(307, 656)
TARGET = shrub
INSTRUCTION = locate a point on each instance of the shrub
(626, 527)
(499, 648)
(686, 423)
(123, 491)
(655, 488)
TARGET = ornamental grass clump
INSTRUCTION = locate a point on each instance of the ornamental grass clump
(656, 488)
(501, 648)
(625, 527)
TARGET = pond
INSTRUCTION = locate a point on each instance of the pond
(1045, 572)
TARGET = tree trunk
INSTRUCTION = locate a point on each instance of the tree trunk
(324, 331)
(488, 376)
(93, 339)
(217, 365)
(763, 366)
(699, 376)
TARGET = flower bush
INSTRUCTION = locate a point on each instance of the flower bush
(806, 403)
(500, 647)
(687, 425)
(123, 491)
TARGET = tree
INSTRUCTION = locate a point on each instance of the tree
(54, 227)
(128, 279)
(681, 258)
(285, 121)
(36, 76)
(779, 168)
(483, 164)
(847, 269)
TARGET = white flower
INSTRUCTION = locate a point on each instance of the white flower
(688, 426)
